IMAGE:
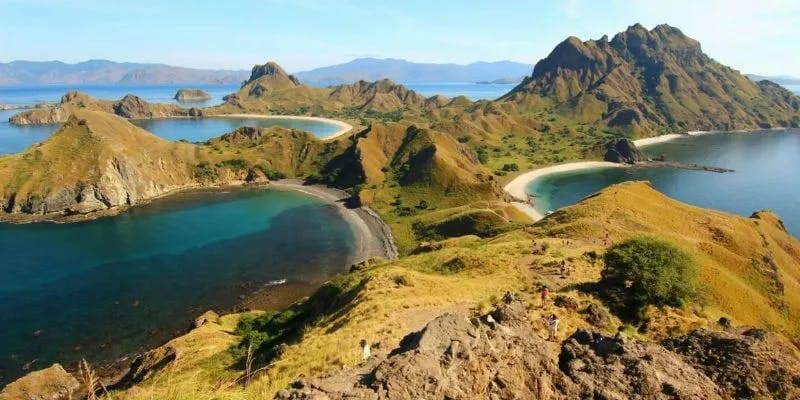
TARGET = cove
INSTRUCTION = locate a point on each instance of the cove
(108, 287)
(765, 177)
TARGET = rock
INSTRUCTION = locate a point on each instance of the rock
(191, 95)
(565, 302)
(603, 368)
(597, 316)
(623, 151)
(752, 364)
(271, 70)
(132, 106)
(53, 383)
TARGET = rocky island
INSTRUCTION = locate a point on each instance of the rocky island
(191, 95)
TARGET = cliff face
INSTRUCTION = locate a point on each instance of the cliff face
(130, 106)
(645, 82)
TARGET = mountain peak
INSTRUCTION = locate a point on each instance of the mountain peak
(270, 69)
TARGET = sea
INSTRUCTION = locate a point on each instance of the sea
(764, 177)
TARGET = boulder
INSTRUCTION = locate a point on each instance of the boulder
(53, 383)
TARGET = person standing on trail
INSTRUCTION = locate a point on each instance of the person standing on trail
(552, 327)
(365, 349)
(545, 294)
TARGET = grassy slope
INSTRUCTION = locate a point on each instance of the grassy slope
(385, 301)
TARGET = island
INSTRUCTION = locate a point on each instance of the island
(191, 96)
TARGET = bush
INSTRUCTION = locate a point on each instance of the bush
(235, 163)
(510, 167)
(649, 271)
(270, 173)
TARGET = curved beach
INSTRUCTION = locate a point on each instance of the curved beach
(516, 188)
(344, 127)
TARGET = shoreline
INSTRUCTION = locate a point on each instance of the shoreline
(344, 127)
(516, 188)
(373, 238)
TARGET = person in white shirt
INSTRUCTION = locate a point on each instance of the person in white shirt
(552, 327)
(365, 349)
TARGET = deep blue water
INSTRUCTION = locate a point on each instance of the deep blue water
(103, 288)
(765, 177)
(33, 94)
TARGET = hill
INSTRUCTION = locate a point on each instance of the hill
(104, 71)
(130, 106)
(373, 69)
(644, 83)
(414, 308)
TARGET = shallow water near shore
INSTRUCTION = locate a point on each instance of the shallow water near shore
(104, 288)
(765, 165)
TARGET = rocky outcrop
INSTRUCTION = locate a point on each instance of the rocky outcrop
(749, 364)
(383, 95)
(53, 383)
(452, 357)
(271, 70)
(623, 151)
(499, 356)
(191, 95)
(606, 368)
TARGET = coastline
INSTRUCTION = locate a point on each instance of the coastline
(344, 127)
(516, 188)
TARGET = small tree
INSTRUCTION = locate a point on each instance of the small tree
(648, 271)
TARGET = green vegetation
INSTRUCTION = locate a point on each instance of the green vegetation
(649, 271)
(270, 173)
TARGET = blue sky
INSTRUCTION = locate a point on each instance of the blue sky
(303, 34)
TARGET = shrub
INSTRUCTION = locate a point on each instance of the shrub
(649, 271)
(235, 163)
(510, 167)
(270, 173)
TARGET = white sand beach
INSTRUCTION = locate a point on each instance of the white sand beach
(344, 127)
(516, 188)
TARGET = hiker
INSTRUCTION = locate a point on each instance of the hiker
(508, 297)
(545, 293)
(563, 269)
(365, 350)
(552, 327)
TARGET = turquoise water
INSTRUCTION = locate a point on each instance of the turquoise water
(765, 177)
(103, 288)
(201, 129)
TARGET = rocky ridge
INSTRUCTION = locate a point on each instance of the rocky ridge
(500, 355)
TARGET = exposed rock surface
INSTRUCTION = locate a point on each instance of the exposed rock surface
(605, 368)
(53, 383)
(191, 95)
(623, 151)
(500, 356)
(750, 364)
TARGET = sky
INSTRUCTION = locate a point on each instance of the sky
(760, 37)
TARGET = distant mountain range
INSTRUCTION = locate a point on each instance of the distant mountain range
(372, 69)
(104, 71)
(780, 79)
